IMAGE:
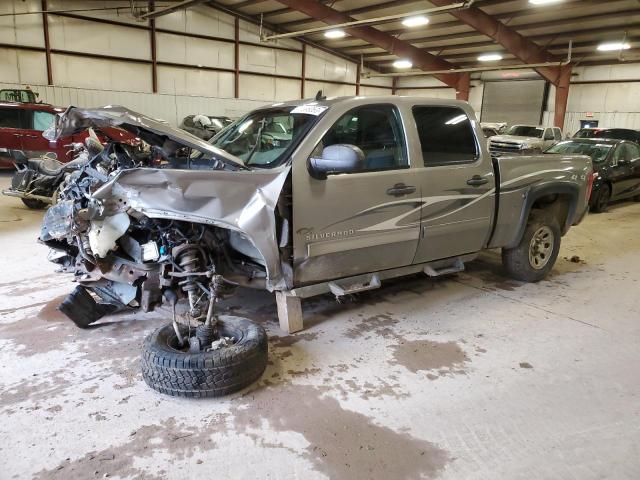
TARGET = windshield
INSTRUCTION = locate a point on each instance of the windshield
(524, 131)
(597, 151)
(265, 138)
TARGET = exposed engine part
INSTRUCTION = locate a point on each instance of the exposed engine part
(189, 259)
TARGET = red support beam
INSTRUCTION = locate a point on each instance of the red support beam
(464, 85)
(358, 75)
(303, 70)
(47, 45)
(522, 48)
(236, 53)
(562, 96)
(154, 58)
(420, 59)
(518, 45)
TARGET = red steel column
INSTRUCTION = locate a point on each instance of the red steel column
(303, 71)
(358, 74)
(236, 81)
(463, 87)
(47, 45)
(154, 59)
(562, 96)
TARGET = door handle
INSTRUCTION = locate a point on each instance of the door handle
(400, 189)
(31, 136)
(18, 135)
(476, 181)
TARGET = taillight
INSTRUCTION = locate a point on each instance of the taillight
(590, 180)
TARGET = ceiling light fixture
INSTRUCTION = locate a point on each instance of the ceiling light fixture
(402, 64)
(543, 2)
(334, 34)
(613, 46)
(416, 21)
(490, 57)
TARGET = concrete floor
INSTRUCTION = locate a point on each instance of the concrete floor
(471, 377)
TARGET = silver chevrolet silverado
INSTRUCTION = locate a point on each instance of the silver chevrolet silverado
(524, 139)
(299, 198)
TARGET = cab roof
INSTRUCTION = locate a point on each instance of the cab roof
(32, 106)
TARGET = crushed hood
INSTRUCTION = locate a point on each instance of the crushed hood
(154, 132)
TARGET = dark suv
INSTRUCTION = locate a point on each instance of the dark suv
(614, 133)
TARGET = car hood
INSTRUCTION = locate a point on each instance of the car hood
(154, 132)
(514, 138)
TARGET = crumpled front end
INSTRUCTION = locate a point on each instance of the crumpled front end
(136, 231)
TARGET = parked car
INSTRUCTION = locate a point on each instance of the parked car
(524, 139)
(616, 164)
(358, 191)
(21, 127)
(615, 133)
(499, 127)
(204, 126)
(489, 132)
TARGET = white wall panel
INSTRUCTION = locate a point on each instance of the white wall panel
(328, 89)
(366, 91)
(379, 81)
(100, 74)
(21, 66)
(21, 29)
(93, 37)
(206, 83)
(199, 20)
(269, 60)
(167, 107)
(119, 11)
(268, 88)
(194, 51)
(323, 66)
(250, 33)
(448, 93)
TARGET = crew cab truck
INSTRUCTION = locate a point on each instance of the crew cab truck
(351, 192)
(390, 186)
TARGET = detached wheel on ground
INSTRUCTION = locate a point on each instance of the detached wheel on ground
(171, 369)
(33, 203)
(602, 200)
(535, 255)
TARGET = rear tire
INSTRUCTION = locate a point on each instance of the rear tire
(213, 373)
(602, 200)
(33, 203)
(533, 258)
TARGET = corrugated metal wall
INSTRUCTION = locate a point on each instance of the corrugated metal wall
(186, 81)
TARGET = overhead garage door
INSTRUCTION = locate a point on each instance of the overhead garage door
(513, 102)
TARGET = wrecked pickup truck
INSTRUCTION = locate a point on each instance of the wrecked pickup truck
(351, 192)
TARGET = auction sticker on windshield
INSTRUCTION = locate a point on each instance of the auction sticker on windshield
(309, 109)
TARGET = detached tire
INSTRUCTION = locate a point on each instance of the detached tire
(535, 255)
(33, 204)
(168, 370)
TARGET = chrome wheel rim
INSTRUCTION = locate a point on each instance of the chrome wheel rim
(541, 247)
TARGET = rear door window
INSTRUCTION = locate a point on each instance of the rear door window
(557, 134)
(446, 135)
(10, 118)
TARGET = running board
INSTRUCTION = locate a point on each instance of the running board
(458, 266)
(341, 290)
(373, 280)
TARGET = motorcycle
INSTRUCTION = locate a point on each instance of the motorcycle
(37, 180)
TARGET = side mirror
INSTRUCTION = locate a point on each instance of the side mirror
(340, 158)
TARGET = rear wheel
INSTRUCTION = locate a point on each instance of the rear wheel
(533, 258)
(174, 370)
(33, 203)
(602, 200)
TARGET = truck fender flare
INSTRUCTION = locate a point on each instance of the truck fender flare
(538, 191)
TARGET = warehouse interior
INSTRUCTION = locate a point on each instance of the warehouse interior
(454, 372)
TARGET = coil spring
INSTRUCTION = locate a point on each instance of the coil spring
(189, 260)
